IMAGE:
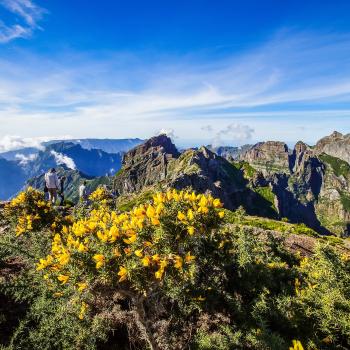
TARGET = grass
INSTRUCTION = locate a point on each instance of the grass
(126, 203)
(345, 201)
(266, 193)
(269, 224)
(340, 167)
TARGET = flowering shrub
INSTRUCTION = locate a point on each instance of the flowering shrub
(29, 211)
(170, 273)
(101, 196)
(152, 243)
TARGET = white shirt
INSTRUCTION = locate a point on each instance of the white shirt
(82, 191)
(51, 180)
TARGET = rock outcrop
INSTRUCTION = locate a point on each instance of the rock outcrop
(336, 145)
(268, 157)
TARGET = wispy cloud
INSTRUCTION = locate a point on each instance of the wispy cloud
(12, 142)
(290, 76)
(27, 12)
(62, 159)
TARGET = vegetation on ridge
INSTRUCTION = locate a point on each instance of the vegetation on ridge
(168, 274)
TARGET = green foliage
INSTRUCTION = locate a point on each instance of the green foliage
(267, 194)
(241, 290)
(345, 200)
(236, 217)
(339, 166)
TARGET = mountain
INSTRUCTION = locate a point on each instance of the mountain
(336, 145)
(12, 177)
(229, 152)
(90, 162)
(74, 179)
(29, 164)
(309, 185)
(301, 185)
(106, 145)
(158, 163)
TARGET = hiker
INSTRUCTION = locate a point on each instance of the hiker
(61, 190)
(52, 184)
(83, 194)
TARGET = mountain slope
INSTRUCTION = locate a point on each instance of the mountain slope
(11, 178)
(74, 179)
(157, 163)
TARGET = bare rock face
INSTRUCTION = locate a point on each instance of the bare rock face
(268, 157)
(336, 145)
(203, 171)
(145, 164)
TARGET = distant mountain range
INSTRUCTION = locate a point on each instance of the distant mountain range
(89, 158)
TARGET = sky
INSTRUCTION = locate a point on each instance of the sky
(224, 72)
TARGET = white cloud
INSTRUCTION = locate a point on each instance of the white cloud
(13, 142)
(64, 160)
(168, 132)
(23, 159)
(116, 96)
(232, 134)
(25, 10)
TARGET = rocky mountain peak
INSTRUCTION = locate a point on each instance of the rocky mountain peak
(274, 153)
(301, 147)
(336, 145)
(157, 145)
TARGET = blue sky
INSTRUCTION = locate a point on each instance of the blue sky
(228, 72)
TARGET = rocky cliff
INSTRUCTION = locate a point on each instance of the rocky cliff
(269, 179)
(157, 163)
(336, 145)
(310, 185)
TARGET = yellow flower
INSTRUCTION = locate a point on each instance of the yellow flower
(190, 214)
(160, 208)
(102, 236)
(150, 212)
(203, 210)
(64, 258)
(122, 273)
(217, 203)
(296, 345)
(131, 239)
(178, 262)
(221, 214)
(82, 310)
(63, 278)
(139, 253)
(82, 248)
(99, 259)
(159, 274)
(189, 258)
(181, 216)
(203, 202)
(190, 230)
(155, 221)
(146, 261)
(82, 286)
(156, 257)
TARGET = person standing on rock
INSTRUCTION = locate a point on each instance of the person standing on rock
(83, 193)
(61, 190)
(52, 184)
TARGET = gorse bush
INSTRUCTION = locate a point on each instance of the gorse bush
(170, 273)
(29, 212)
